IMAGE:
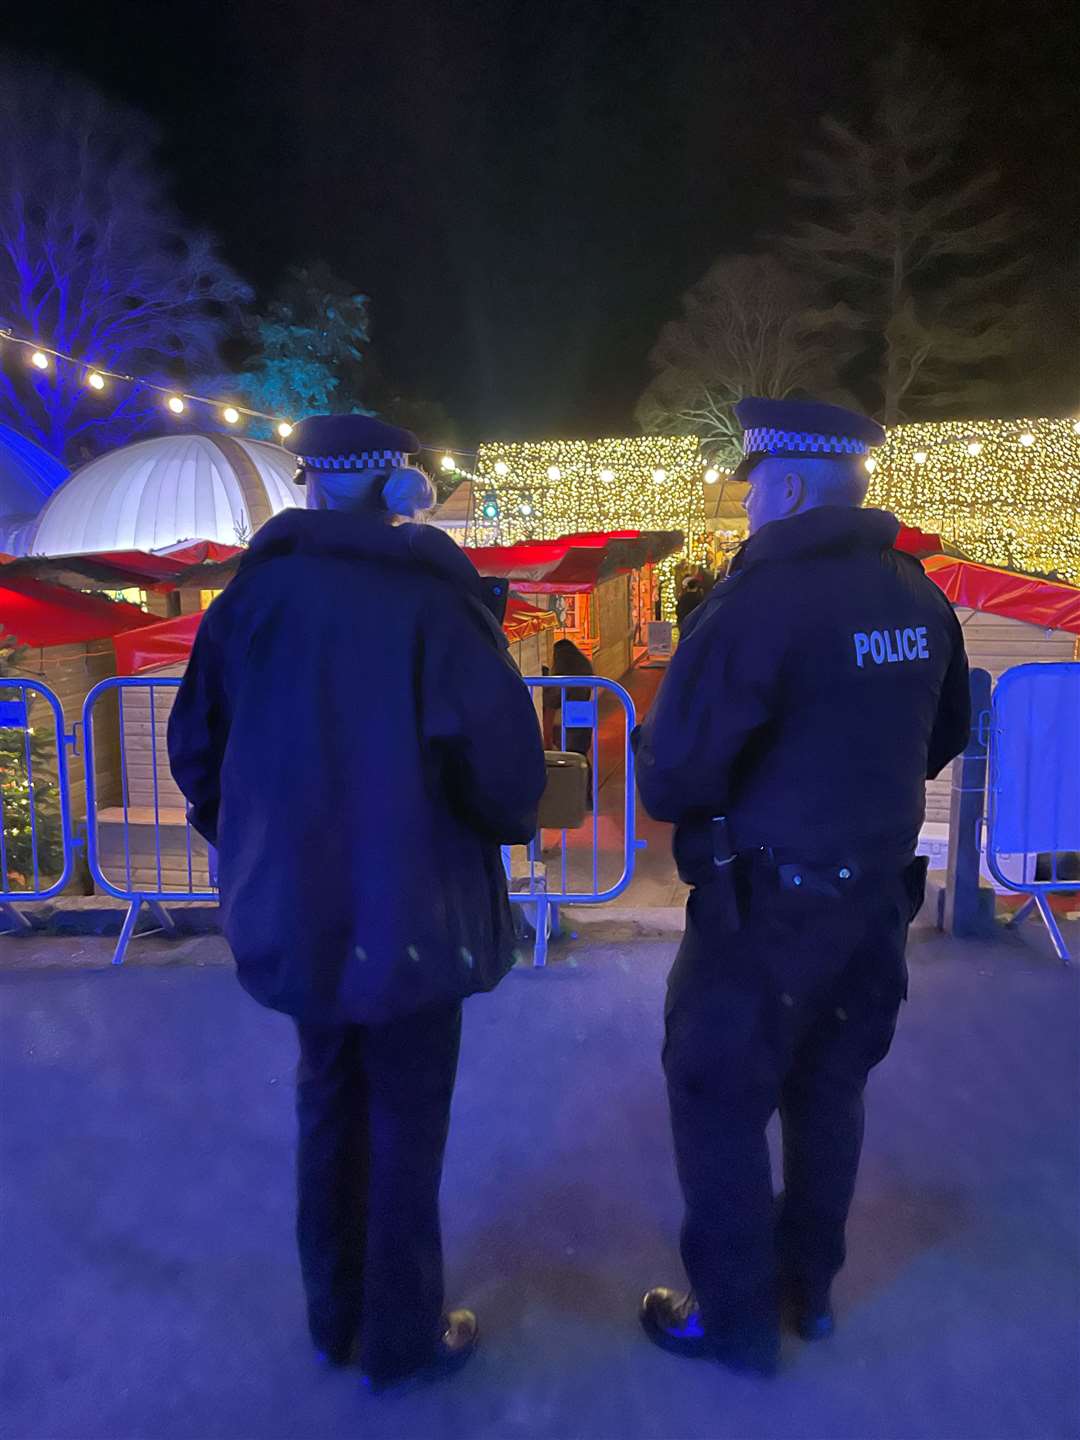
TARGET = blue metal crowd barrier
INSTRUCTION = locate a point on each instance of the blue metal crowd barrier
(30, 867)
(569, 871)
(1033, 793)
(156, 855)
(144, 851)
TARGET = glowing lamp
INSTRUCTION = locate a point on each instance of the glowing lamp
(659, 476)
(919, 457)
(447, 462)
(526, 509)
(230, 415)
(501, 467)
(95, 381)
(974, 447)
(871, 465)
(711, 476)
(40, 359)
(607, 476)
(554, 473)
(284, 429)
(176, 405)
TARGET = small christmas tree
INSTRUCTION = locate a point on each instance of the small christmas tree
(29, 792)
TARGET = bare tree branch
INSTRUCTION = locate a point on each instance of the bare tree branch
(95, 260)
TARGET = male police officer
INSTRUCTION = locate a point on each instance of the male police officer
(809, 699)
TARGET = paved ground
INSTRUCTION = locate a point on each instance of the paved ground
(150, 1290)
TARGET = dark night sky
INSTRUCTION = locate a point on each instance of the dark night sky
(525, 189)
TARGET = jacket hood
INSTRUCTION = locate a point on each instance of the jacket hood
(834, 528)
(356, 536)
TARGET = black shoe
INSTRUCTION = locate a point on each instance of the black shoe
(811, 1319)
(453, 1350)
(673, 1322)
(816, 1323)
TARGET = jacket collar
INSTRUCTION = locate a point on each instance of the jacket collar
(828, 528)
(346, 535)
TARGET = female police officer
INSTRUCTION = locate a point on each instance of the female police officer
(354, 739)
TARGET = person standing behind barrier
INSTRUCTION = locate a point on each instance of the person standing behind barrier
(813, 694)
(691, 597)
(567, 659)
(353, 737)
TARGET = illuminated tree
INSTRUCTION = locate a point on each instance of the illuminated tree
(913, 245)
(746, 329)
(310, 348)
(94, 261)
(29, 792)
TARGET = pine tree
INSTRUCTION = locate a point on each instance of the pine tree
(913, 245)
(30, 816)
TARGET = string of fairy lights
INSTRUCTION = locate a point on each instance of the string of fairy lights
(1007, 493)
(176, 402)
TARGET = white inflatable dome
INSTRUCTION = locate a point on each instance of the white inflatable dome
(157, 493)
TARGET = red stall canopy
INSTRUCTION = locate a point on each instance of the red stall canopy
(574, 563)
(167, 642)
(1048, 603)
(192, 563)
(38, 614)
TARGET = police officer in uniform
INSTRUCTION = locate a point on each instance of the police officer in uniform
(354, 738)
(810, 698)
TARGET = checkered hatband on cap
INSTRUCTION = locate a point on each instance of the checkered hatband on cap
(365, 460)
(764, 439)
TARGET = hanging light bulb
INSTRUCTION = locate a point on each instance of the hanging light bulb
(1076, 427)
(230, 415)
(95, 381)
(711, 476)
(40, 359)
(659, 475)
(175, 404)
(448, 463)
(974, 447)
(919, 457)
(871, 464)
(1027, 438)
(607, 476)
(526, 509)
(554, 473)
(501, 467)
(284, 429)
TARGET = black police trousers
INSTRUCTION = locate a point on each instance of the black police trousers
(790, 1011)
(373, 1102)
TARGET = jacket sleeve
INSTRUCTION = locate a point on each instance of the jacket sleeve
(952, 724)
(198, 733)
(718, 693)
(478, 715)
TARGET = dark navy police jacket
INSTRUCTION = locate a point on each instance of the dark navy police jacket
(353, 736)
(811, 696)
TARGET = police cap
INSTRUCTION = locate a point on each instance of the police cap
(796, 429)
(349, 442)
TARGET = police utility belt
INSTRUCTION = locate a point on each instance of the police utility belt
(707, 860)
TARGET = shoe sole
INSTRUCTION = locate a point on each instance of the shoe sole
(441, 1369)
(673, 1344)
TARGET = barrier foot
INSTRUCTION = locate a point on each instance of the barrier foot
(1053, 929)
(130, 921)
(163, 918)
(556, 922)
(1021, 914)
(542, 920)
(20, 925)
